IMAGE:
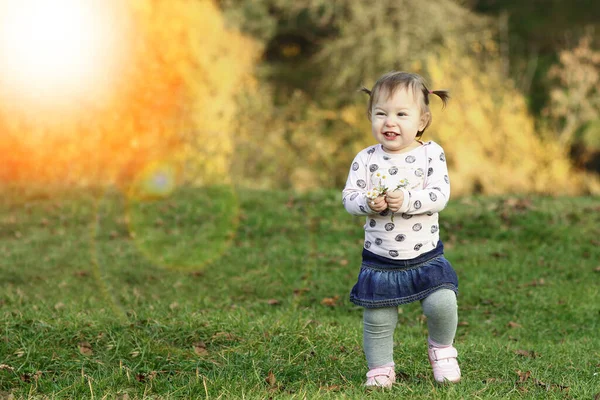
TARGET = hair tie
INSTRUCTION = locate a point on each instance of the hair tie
(430, 91)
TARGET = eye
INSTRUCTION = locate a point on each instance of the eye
(379, 113)
(402, 114)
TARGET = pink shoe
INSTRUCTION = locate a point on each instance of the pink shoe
(381, 377)
(444, 364)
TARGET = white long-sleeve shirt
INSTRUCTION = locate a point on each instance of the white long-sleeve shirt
(422, 174)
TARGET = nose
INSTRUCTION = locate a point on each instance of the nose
(389, 121)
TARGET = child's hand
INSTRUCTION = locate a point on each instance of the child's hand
(378, 204)
(394, 200)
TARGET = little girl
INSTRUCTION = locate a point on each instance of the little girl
(400, 185)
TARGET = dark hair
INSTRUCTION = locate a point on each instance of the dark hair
(395, 80)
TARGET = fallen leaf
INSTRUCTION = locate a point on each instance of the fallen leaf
(270, 379)
(512, 324)
(490, 302)
(401, 375)
(7, 367)
(272, 302)
(597, 396)
(330, 301)
(537, 282)
(27, 377)
(200, 348)
(463, 323)
(597, 269)
(174, 305)
(85, 348)
(551, 385)
(498, 254)
(526, 353)
(518, 204)
(344, 262)
(290, 202)
(523, 376)
(300, 291)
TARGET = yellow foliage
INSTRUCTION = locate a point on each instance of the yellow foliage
(175, 103)
(575, 100)
(297, 145)
(490, 138)
(208, 64)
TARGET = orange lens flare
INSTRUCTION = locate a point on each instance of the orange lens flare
(57, 54)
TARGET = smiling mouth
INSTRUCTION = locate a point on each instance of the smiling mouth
(390, 135)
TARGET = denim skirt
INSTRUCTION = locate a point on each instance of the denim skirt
(383, 282)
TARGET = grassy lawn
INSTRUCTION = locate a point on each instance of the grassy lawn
(220, 294)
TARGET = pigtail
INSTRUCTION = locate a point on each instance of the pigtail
(369, 92)
(365, 90)
(442, 94)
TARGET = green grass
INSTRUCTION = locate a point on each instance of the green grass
(219, 294)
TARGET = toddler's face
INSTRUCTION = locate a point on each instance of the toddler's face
(396, 120)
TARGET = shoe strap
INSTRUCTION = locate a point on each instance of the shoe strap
(382, 371)
(443, 353)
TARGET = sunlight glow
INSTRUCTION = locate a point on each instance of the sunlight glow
(59, 52)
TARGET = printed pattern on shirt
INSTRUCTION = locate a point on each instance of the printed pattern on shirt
(422, 175)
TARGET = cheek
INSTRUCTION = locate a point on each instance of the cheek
(375, 125)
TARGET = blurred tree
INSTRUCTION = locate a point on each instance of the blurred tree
(574, 107)
(533, 33)
(328, 49)
(490, 138)
(307, 121)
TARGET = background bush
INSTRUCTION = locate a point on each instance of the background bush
(264, 94)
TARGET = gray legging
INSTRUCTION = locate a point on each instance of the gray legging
(379, 323)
